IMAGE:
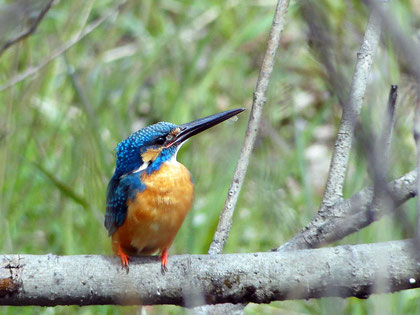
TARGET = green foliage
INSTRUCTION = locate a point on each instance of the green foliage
(178, 61)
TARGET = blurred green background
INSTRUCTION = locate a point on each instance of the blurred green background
(178, 61)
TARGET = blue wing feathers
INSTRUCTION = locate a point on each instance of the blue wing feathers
(118, 192)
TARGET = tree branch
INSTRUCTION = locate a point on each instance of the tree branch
(28, 31)
(225, 220)
(342, 271)
(376, 148)
(407, 48)
(416, 133)
(311, 235)
(323, 44)
(389, 121)
(351, 111)
(350, 215)
(66, 46)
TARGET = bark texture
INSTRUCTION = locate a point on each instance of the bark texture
(192, 280)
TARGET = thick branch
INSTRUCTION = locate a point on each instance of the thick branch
(350, 215)
(193, 280)
(225, 221)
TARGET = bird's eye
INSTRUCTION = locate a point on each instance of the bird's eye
(160, 140)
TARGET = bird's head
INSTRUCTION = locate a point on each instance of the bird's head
(148, 148)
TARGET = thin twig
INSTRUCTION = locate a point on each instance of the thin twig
(342, 271)
(351, 110)
(225, 220)
(390, 118)
(416, 132)
(30, 30)
(66, 46)
(377, 152)
(407, 48)
(322, 43)
(384, 200)
(259, 99)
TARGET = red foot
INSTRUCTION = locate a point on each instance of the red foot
(164, 260)
(124, 257)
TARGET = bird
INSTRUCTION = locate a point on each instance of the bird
(150, 192)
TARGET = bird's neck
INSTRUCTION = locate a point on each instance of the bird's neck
(159, 161)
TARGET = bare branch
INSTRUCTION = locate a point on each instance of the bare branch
(311, 235)
(28, 31)
(225, 220)
(342, 271)
(322, 43)
(416, 132)
(407, 48)
(66, 46)
(390, 119)
(350, 215)
(351, 110)
(377, 153)
(408, 51)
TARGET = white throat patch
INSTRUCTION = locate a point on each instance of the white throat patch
(142, 167)
(148, 163)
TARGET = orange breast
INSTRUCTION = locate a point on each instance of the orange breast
(157, 213)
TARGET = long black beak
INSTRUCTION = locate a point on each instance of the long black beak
(192, 128)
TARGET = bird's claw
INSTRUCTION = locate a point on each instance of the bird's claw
(124, 259)
(164, 261)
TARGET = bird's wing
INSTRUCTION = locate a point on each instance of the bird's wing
(117, 195)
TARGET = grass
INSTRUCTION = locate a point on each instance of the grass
(178, 61)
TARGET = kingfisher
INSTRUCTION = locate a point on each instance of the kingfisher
(150, 193)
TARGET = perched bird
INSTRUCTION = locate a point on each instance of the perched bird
(150, 193)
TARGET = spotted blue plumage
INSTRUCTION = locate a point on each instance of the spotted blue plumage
(126, 181)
